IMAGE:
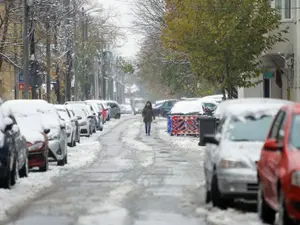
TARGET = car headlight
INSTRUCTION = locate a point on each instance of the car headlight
(296, 178)
(232, 164)
(35, 146)
(84, 123)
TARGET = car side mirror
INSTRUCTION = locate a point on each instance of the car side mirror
(79, 117)
(46, 131)
(210, 139)
(272, 145)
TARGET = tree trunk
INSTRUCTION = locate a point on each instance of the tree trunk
(8, 6)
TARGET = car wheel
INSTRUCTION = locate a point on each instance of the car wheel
(101, 128)
(74, 143)
(283, 218)
(66, 159)
(78, 141)
(25, 169)
(265, 212)
(46, 165)
(6, 182)
(118, 116)
(61, 162)
(15, 173)
(216, 197)
(207, 194)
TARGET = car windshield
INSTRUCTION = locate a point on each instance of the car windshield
(249, 128)
(63, 114)
(294, 136)
(79, 112)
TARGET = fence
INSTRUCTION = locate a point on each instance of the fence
(183, 125)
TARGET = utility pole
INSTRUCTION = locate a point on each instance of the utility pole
(69, 54)
(83, 44)
(86, 86)
(75, 50)
(25, 49)
(48, 60)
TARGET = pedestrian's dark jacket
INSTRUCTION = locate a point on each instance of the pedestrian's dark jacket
(148, 113)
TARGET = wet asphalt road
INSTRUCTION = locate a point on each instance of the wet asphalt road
(143, 181)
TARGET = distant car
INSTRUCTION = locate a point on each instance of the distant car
(13, 152)
(70, 124)
(32, 129)
(191, 107)
(157, 107)
(75, 119)
(126, 109)
(97, 109)
(232, 153)
(83, 120)
(278, 169)
(115, 111)
(138, 108)
(167, 106)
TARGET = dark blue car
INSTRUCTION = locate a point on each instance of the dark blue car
(13, 153)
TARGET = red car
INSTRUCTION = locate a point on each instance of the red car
(279, 169)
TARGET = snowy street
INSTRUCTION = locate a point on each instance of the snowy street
(135, 179)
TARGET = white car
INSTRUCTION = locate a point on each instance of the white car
(232, 153)
(70, 124)
(83, 120)
(57, 138)
(97, 109)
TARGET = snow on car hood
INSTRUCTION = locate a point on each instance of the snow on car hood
(248, 152)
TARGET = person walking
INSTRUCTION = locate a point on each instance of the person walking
(148, 117)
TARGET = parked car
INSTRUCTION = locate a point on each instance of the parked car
(83, 120)
(126, 109)
(278, 169)
(75, 119)
(92, 117)
(97, 109)
(13, 152)
(105, 108)
(157, 107)
(232, 153)
(167, 106)
(115, 111)
(32, 129)
(70, 124)
(57, 137)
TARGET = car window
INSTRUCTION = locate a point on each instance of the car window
(250, 128)
(276, 125)
(63, 114)
(294, 139)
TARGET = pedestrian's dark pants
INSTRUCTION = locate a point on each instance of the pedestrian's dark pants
(147, 127)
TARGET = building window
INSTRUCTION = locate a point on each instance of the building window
(284, 8)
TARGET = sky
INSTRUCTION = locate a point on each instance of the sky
(124, 17)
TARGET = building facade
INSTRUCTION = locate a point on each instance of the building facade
(282, 63)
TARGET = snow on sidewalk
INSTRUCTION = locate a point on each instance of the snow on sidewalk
(27, 189)
(184, 142)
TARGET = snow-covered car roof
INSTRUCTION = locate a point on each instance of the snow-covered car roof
(187, 107)
(244, 106)
(29, 120)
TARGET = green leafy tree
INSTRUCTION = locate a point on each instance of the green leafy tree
(222, 39)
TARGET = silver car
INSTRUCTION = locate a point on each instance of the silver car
(232, 153)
